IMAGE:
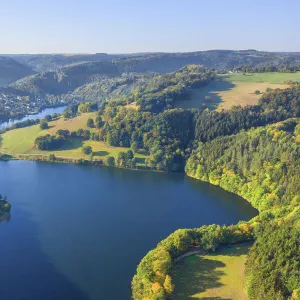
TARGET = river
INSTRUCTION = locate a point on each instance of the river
(40, 115)
(78, 232)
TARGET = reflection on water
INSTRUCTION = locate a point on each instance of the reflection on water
(4, 216)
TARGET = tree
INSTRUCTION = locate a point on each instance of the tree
(134, 147)
(129, 154)
(87, 150)
(48, 118)
(90, 123)
(44, 125)
(99, 122)
(52, 157)
(168, 285)
(110, 161)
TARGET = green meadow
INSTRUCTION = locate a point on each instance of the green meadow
(218, 275)
(21, 141)
(236, 89)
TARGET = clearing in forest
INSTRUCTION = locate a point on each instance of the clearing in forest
(236, 89)
(218, 275)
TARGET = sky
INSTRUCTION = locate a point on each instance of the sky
(127, 26)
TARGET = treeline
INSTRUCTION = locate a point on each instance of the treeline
(273, 263)
(152, 279)
(165, 136)
(262, 165)
(288, 68)
(73, 110)
(275, 106)
(163, 91)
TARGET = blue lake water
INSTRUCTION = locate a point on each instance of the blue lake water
(40, 115)
(78, 232)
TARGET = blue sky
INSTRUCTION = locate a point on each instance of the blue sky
(119, 26)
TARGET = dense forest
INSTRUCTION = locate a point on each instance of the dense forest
(273, 264)
(262, 165)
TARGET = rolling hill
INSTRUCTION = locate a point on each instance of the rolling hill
(11, 70)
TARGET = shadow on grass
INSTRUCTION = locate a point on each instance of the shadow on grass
(71, 144)
(195, 275)
(207, 96)
(143, 152)
(100, 153)
(237, 250)
(140, 160)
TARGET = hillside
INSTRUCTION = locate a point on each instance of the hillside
(50, 62)
(11, 70)
(75, 73)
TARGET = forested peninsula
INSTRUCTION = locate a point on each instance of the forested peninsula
(250, 150)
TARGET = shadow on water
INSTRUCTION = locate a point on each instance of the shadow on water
(26, 272)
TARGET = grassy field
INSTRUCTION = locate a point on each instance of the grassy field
(236, 89)
(21, 141)
(274, 77)
(216, 276)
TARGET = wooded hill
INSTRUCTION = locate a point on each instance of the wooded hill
(11, 70)
(69, 77)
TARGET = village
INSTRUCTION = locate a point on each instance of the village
(14, 106)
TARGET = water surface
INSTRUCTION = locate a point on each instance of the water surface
(42, 114)
(79, 232)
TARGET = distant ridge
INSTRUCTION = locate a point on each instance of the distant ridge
(11, 70)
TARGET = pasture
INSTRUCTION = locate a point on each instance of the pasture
(218, 275)
(236, 89)
(21, 141)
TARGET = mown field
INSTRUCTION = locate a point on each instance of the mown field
(219, 275)
(21, 141)
(236, 89)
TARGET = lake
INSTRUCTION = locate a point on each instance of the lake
(78, 232)
(42, 114)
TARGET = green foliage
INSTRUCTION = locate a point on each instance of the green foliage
(44, 125)
(262, 165)
(110, 161)
(87, 150)
(86, 107)
(152, 279)
(275, 106)
(163, 91)
(90, 123)
(48, 142)
(273, 264)
(48, 118)
(52, 157)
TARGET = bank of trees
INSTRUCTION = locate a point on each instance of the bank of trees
(273, 263)
(163, 91)
(274, 106)
(152, 279)
(262, 165)
(48, 142)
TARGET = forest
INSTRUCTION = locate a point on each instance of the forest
(251, 151)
